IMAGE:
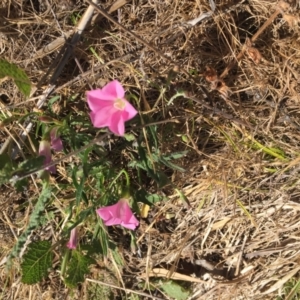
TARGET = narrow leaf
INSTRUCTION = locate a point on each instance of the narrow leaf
(18, 75)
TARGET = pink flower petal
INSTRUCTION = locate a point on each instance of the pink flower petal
(118, 214)
(73, 239)
(115, 89)
(57, 145)
(56, 142)
(44, 150)
(101, 97)
(51, 169)
(96, 102)
(113, 221)
(125, 212)
(130, 110)
(106, 213)
(117, 124)
(130, 226)
(102, 118)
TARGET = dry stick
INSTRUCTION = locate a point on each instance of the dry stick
(51, 47)
(255, 36)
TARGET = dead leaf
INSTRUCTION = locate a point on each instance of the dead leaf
(222, 88)
(220, 224)
(210, 74)
(254, 54)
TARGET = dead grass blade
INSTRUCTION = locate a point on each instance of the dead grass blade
(281, 282)
(159, 272)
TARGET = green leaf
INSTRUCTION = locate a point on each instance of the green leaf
(52, 101)
(32, 164)
(18, 75)
(4, 160)
(169, 164)
(174, 290)
(36, 262)
(34, 220)
(78, 267)
(177, 155)
(129, 137)
(21, 185)
(79, 186)
(101, 234)
(118, 258)
(183, 198)
(153, 133)
(185, 138)
(162, 179)
(5, 168)
(275, 152)
(294, 293)
(149, 199)
(153, 198)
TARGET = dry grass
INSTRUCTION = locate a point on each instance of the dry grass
(239, 231)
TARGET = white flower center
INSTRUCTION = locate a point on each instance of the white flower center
(120, 104)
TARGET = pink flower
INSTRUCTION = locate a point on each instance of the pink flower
(56, 142)
(118, 214)
(44, 150)
(73, 239)
(110, 108)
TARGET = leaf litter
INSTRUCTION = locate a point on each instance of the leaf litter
(238, 235)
